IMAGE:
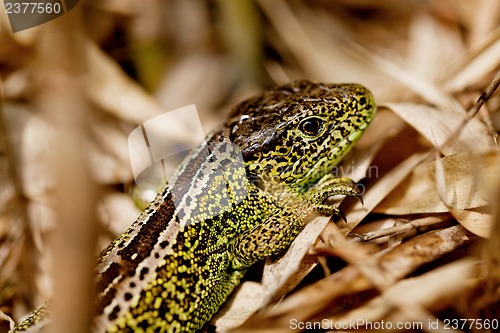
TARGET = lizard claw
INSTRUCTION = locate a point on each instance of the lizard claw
(342, 216)
(360, 198)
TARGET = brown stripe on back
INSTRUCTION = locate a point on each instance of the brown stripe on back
(192, 165)
(142, 244)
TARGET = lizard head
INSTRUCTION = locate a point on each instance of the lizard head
(298, 132)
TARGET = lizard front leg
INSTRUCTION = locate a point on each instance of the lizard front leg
(329, 186)
(279, 230)
(267, 239)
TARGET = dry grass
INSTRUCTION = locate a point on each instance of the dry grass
(424, 246)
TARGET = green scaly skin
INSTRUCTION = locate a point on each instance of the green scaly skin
(177, 264)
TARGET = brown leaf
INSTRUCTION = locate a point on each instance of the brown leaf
(468, 178)
(436, 125)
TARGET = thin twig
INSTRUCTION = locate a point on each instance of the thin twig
(485, 96)
(403, 228)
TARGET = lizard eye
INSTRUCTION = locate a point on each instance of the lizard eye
(311, 126)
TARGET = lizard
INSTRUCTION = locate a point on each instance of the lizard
(242, 196)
